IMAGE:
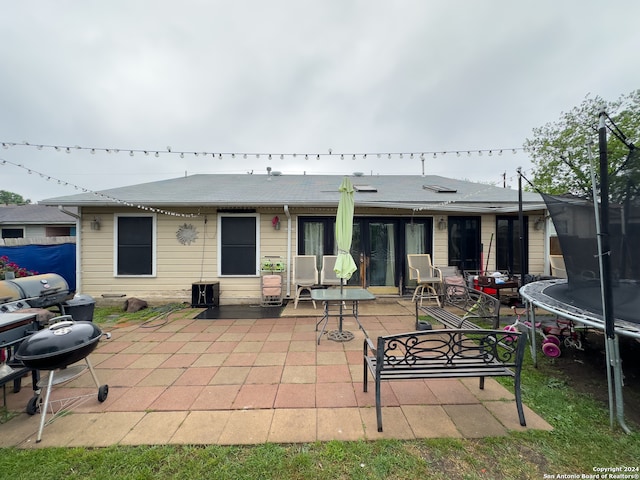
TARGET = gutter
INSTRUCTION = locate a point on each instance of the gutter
(289, 273)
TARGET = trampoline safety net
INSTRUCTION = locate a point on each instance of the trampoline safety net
(575, 223)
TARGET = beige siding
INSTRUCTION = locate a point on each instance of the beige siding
(178, 266)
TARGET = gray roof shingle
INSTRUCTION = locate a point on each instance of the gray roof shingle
(394, 191)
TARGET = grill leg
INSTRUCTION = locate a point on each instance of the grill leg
(93, 372)
(44, 407)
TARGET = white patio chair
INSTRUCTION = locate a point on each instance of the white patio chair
(327, 274)
(427, 277)
(305, 276)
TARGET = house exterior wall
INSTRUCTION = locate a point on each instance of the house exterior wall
(178, 266)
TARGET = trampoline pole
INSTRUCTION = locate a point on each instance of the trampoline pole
(614, 370)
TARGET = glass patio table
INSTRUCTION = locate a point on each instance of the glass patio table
(334, 301)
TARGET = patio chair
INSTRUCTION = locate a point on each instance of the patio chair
(327, 274)
(427, 277)
(305, 277)
(558, 268)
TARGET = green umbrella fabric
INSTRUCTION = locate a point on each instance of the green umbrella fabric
(345, 266)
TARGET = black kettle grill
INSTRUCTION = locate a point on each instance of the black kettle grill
(55, 348)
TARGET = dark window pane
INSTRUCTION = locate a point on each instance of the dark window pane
(238, 246)
(12, 233)
(135, 245)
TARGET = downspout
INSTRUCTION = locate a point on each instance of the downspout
(78, 240)
(288, 214)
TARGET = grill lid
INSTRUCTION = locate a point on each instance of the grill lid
(61, 344)
(40, 291)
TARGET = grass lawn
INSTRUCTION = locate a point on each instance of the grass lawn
(582, 440)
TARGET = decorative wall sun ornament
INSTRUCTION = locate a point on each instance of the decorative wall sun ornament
(186, 234)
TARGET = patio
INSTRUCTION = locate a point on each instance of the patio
(250, 381)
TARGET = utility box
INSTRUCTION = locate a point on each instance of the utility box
(205, 294)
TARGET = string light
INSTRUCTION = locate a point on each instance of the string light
(97, 194)
(220, 155)
(181, 154)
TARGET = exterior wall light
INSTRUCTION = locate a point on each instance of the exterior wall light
(95, 223)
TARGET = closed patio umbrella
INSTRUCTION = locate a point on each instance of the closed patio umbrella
(345, 265)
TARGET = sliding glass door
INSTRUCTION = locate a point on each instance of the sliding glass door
(379, 247)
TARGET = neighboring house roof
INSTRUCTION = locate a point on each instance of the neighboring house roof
(35, 214)
(413, 192)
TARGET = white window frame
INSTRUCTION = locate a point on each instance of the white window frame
(154, 246)
(219, 242)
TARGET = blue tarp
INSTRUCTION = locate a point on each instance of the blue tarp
(60, 259)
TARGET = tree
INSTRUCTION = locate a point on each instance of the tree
(10, 198)
(559, 150)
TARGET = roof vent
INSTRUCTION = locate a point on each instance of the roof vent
(364, 188)
(439, 189)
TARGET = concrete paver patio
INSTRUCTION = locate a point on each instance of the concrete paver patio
(188, 381)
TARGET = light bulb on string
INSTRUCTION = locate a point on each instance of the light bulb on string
(157, 154)
(131, 153)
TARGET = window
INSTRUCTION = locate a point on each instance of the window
(464, 243)
(60, 231)
(12, 233)
(238, 245)
(508, 251)
(135, 250)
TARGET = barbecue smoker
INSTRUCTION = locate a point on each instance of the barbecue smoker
(37, 291)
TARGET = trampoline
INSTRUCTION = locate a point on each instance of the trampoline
(599, 238)
(558, 298)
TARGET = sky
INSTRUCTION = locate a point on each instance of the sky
(319, 79)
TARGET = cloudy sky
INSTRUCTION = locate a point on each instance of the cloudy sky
(307, 77)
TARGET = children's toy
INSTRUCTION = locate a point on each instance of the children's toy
(562, 332)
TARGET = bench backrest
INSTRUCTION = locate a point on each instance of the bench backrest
(451, 348)
(474, 303)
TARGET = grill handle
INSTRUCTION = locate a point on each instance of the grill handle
(61, 321)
